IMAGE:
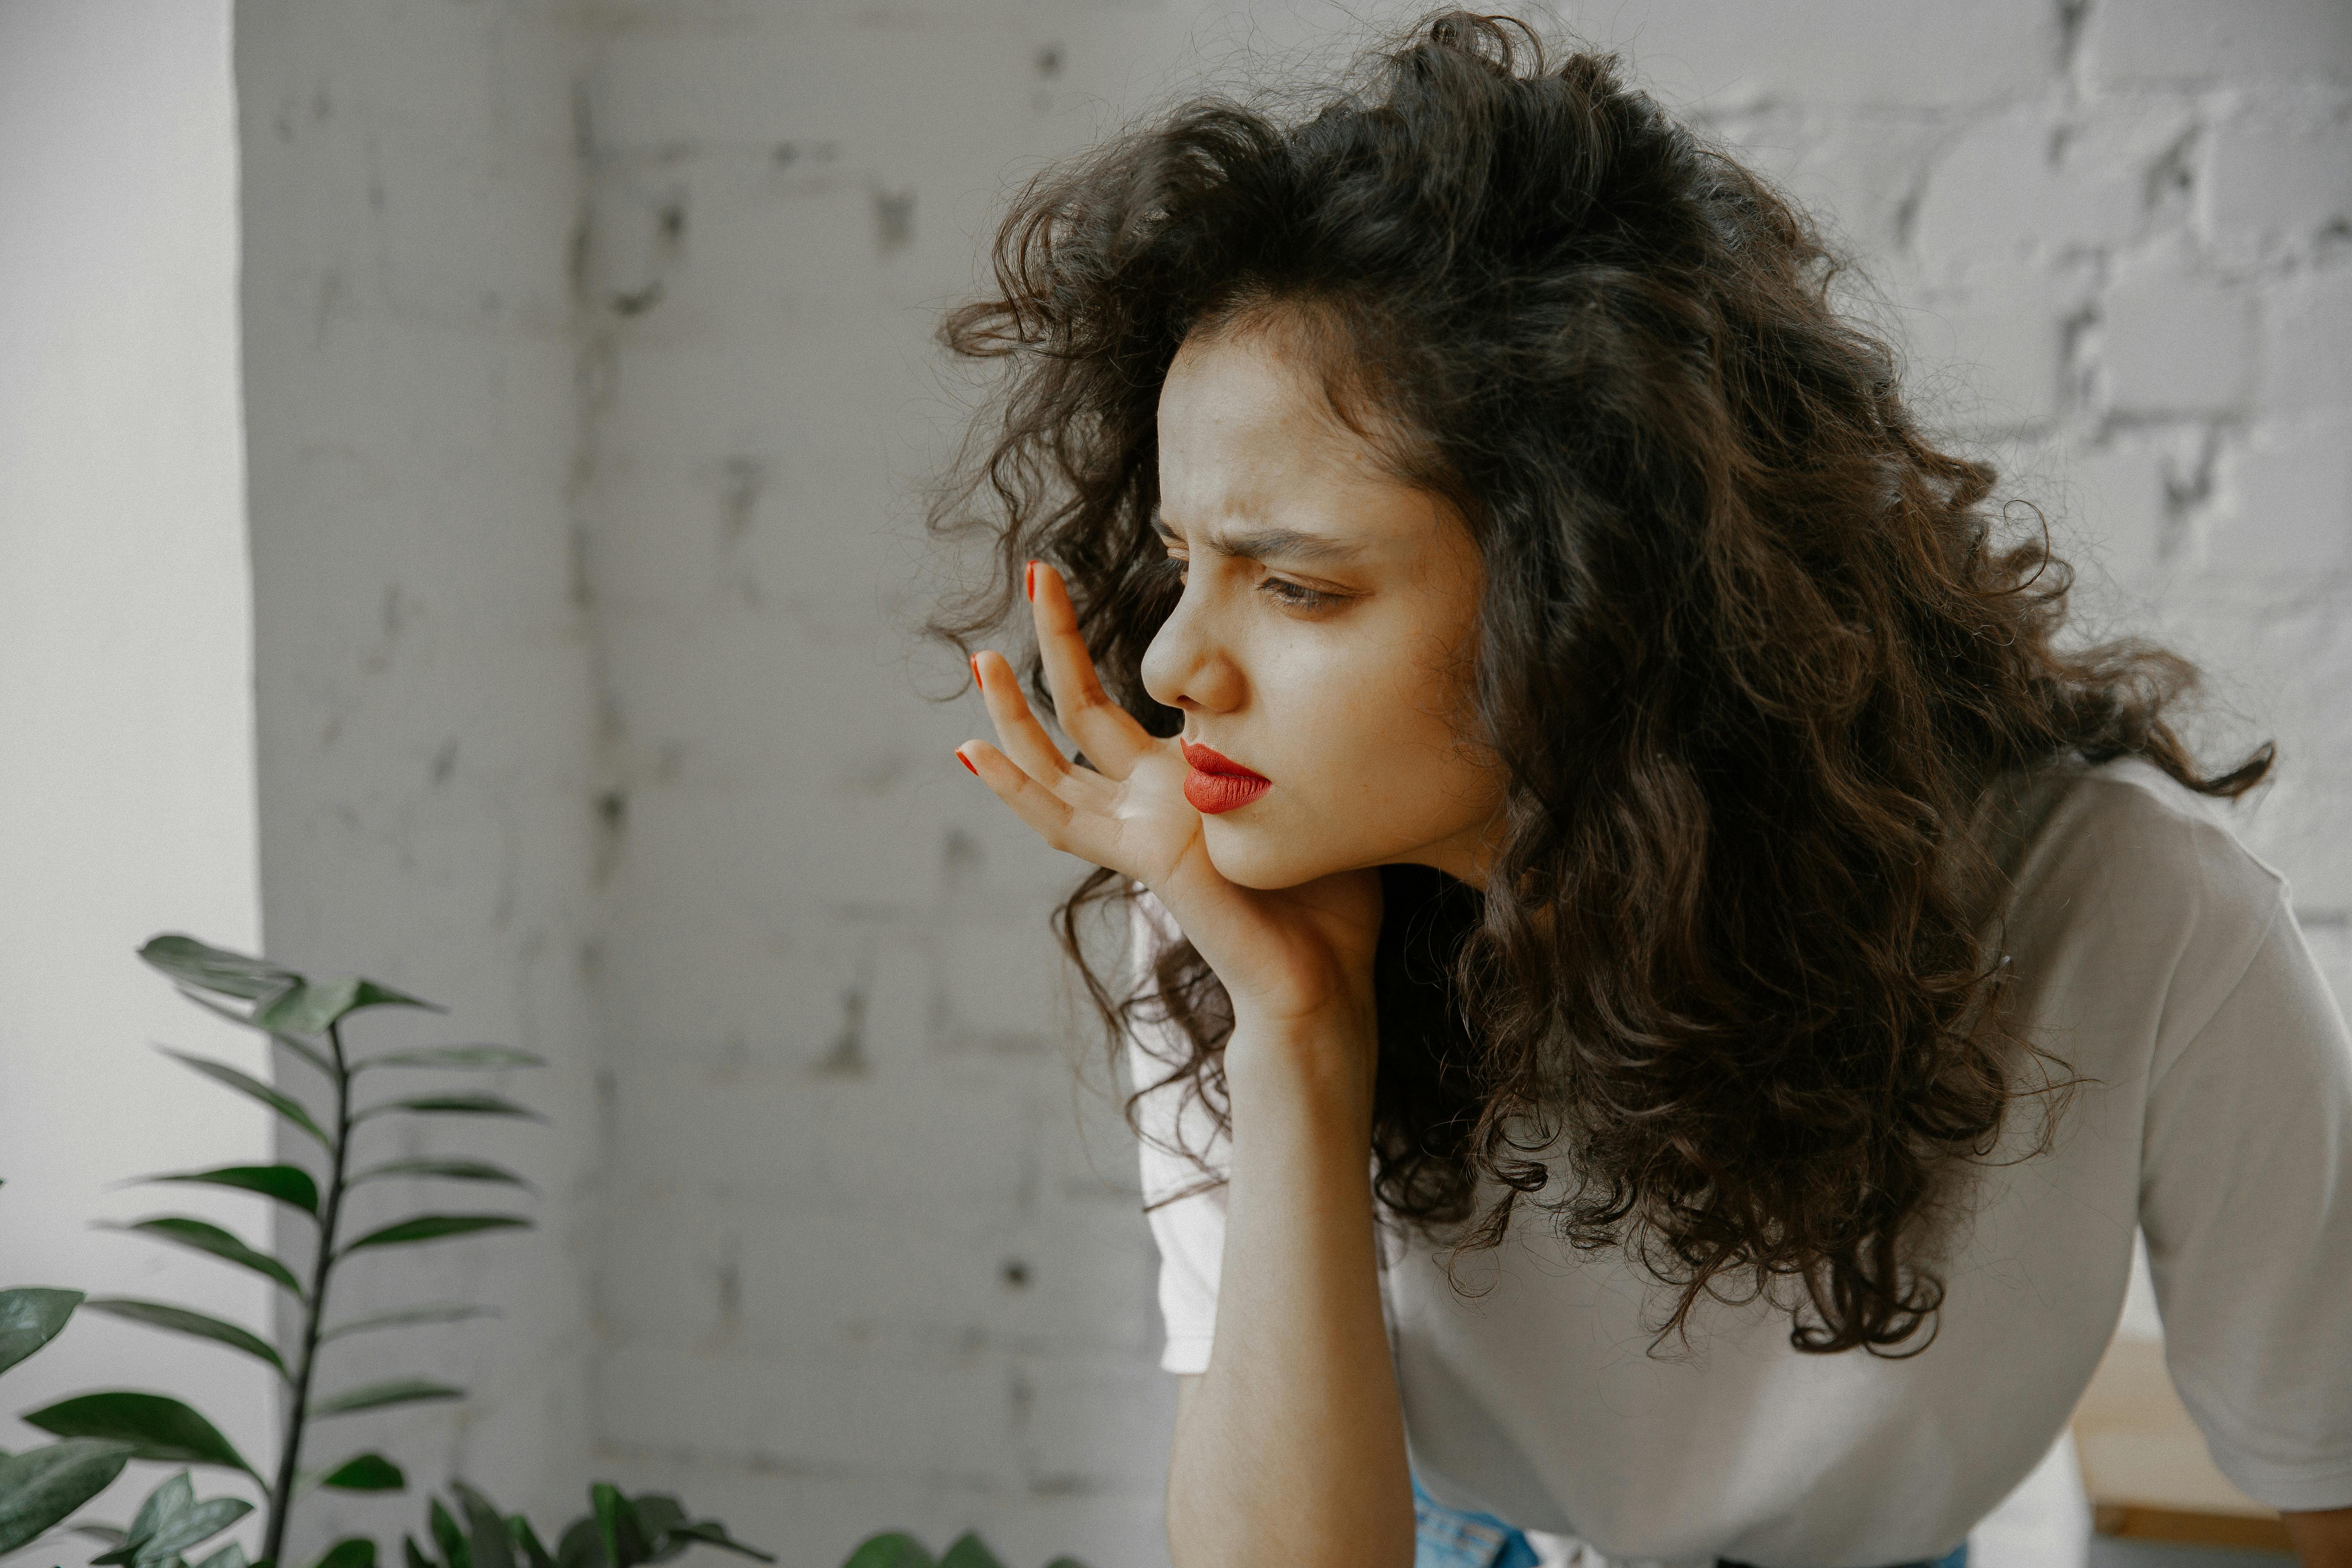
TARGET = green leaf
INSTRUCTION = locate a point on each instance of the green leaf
(30, 1317)
(448, 1537)
(444, 1170)
(365, 1473)
(578, 1547)
(392, 1391)
(157, 1427)
(405, 1317)
(617, 1526)
(314, 1007)
(178, 1529)
(229, 1556)
(710, 1532)
(471, 1059)
(415, 1554)
(172, 1520)
(40, 1487)
(892, 1551)
(485, 1532)
(968, 1551)
(434, 1228)
(527, 1542)
(299, 1047)
(204, 1237)
(181, 1320)
(351, 1551)
(168, 1502)
(254, 1089)
(658, 1515)
(451, 1105)
(289, 1184)
(214, 969)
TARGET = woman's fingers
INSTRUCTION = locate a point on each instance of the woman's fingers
(1051, 818)
(1104, 731)
(1024, 739)
(1073, 809)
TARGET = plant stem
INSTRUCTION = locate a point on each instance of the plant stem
(298, 1409)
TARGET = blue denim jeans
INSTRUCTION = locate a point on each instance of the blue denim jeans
(1448, 1538)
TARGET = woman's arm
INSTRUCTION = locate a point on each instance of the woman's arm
(2321, 1540)
(1290, 1448)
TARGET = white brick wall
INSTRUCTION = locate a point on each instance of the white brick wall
(856, 1275)
(657, 280)
(422, 668)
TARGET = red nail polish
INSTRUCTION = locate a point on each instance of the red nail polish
(976, 678)
(967, 764)
(1029, 581)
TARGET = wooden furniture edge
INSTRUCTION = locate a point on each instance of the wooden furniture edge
(2138, 1522)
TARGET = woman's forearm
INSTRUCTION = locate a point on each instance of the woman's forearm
(1291, 1449)
(2323, 1540)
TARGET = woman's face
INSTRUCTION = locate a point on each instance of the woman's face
(1324, 636)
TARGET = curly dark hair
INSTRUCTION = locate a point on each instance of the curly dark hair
(1751, 650)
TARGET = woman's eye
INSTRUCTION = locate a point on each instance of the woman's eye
(1295, 596)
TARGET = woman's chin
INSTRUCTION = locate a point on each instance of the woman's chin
(1259, 854)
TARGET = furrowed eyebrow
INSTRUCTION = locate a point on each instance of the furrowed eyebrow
(1264, 543)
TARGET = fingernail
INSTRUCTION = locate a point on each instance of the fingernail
(967, 764)
(1029, 581)
(976, 678)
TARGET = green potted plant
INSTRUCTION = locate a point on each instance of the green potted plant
(306, 1016)
(99, 1433)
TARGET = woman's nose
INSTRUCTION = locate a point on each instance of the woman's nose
(1186, 667)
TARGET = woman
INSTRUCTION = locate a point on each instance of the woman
(1664, 989)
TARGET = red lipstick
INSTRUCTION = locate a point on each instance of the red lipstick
(1217, 782)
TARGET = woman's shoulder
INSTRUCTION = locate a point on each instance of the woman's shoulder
(2138, 831)
(2125, 879)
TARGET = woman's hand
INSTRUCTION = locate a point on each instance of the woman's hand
(1284, 956)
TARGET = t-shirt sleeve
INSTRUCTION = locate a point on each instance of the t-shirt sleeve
(1184, 1202)
(2246, 1200)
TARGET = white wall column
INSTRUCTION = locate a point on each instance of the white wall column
(126, 692)
(427, 721)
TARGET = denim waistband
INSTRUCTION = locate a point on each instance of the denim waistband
(1449, 1538)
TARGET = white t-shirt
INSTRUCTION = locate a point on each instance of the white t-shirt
(2156, 956)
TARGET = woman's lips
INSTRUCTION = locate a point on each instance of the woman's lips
(1217, 782)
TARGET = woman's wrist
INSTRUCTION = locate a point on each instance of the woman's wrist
(1318, 1067)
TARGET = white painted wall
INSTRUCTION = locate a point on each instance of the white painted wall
(126, 690)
